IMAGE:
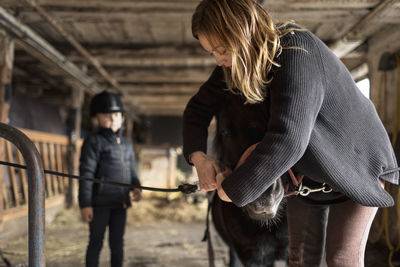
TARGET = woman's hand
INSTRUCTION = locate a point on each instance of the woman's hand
(87, 214)
(220, 178)
(207, 168)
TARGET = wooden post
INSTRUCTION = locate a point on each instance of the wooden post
(74, 136)
(128, 127)
(384, 95)
(6, 64)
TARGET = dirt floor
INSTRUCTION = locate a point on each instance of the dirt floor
(160, 232)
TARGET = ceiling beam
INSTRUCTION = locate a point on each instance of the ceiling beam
(44, 52)
(138, 5)
(159, 90)
(75, 44)
(163, 99)
(326, 15)
(157, 76)
(357, 34)
(185, 4)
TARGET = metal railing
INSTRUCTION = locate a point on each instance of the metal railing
(36, 192)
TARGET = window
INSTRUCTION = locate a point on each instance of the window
(363, 85)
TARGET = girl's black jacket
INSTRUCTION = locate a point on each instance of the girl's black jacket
(103, 158)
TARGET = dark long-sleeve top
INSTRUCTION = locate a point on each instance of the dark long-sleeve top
(320, 125)
(104, 158)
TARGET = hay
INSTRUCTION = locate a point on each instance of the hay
(156, 209)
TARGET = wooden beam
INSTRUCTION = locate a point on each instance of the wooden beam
(94, 61)
(165, 5)
(163, 112)
(109, 5)
(159, 56)
(187, 62)
(44, 52)
(6, 65)
(325, 15)
(145, 99)
(158, 90)
(356, 35)
(360, 72)
(75, 111)
(158, 76)
(318, 4)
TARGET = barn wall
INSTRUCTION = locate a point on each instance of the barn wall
(168, 130)
(385, 100)
(32, 113)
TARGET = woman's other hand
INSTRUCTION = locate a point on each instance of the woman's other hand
(207, 168)
(220, 178)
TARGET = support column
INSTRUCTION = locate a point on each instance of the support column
(128, 127)
(384, 94)
(75, 119)
(6, 64)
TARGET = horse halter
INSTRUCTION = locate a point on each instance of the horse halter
(299, 189)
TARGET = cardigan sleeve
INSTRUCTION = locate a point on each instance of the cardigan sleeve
(199, 112)
(297, 93)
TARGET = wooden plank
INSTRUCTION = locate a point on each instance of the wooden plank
(59, 162)
(146, 62)
(158, 76)
(4, 198)
(359, 31)
(22, 211)
(45, 158)
(6, 65)
(44, 52)
(162, 89)
(183, 4)
(24, 178)
(144, 99)
(53, 167)
(11, 171)
(38, 136)
(64, 153)
(156, 16)
(163, 112)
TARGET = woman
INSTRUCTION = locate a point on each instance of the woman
(320, 126)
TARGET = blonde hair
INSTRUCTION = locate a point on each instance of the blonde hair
(246, 29)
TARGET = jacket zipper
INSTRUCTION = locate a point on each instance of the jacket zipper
(123, 171)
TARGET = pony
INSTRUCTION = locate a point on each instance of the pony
(257, 234)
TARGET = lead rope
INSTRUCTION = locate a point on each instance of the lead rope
(207, 236)
(5, 260)
(184, 188)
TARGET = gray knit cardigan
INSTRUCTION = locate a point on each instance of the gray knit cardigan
(320, 125)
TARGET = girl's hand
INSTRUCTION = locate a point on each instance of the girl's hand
(207, 168)
(137, 195)
(87, 214)
(220, 178)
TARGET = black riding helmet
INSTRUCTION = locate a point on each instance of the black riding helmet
(106, 102)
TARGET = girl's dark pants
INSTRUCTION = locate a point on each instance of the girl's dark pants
(115, 219)
(339, 229)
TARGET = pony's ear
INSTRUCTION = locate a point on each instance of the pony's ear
(246, 155)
